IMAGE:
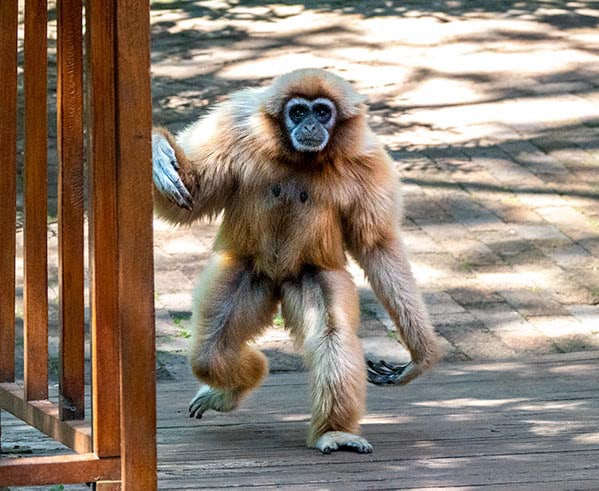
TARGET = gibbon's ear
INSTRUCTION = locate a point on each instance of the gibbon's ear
(312, 83)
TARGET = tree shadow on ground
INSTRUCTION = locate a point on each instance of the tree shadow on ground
(187, 36)
(561, 14)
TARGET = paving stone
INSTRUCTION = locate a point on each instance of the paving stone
(569, 255)
(571, 222)
(512, 248)
(444, 231)
(470, 252)
(533, 158)
(473, 293)
(587, 315)
(418, 242)
(171, 281)
(533, 301)
(471, 336)
(513, 330)
(555, 279)
(528, 342)
(373, 327)
(500, 316)
(538, 231)
(566, 332)
(441, 303)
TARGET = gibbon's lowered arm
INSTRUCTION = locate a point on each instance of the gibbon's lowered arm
(373, 239)
(388, 270)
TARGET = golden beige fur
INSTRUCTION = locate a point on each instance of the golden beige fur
(288, 220)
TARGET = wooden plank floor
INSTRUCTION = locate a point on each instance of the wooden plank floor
(511, 425)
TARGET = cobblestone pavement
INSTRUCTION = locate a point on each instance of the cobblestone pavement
(491, 112)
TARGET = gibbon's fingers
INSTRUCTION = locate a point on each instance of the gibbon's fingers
(384, 373)
(164, 173)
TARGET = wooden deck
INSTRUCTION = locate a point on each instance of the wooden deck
(506, 425)
(509, 425)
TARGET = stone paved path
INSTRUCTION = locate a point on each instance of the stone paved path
(491, 112)
(492, 116)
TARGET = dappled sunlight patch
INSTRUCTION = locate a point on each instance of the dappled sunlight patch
(553, 428)
(574, 369)
(295, 417)
(469, 402)
(188, 244)
(425, 273)
(550, 406)
(382, 418)
(587, 439)
(513, 278)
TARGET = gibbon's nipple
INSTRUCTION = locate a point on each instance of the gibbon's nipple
(303, 196)
(276, 190)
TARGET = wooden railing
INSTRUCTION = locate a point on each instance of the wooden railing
(115, 447)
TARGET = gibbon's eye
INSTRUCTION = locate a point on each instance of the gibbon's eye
(323, 112)
(297, 112)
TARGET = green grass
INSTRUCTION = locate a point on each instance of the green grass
(278, 321)
(178, 319)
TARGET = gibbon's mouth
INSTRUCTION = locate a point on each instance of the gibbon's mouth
(309, 145)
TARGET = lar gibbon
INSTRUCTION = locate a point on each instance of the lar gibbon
(300, 179)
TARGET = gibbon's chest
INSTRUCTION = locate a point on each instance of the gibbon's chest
(285, 224)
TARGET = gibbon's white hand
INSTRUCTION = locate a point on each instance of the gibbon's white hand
(164, 173)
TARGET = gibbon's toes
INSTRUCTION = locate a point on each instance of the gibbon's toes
(209, 398)
(198, 406)
(340, 440)
(385, 373)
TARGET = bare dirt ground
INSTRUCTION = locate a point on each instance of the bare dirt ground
(491, 112)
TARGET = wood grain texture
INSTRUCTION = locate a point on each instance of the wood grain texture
(101, 107)
(35, 253)
(135, 214)
(69, 95)
(44, 416)
(8, 185)
(107, 486)
(72, 469)
(501, 425)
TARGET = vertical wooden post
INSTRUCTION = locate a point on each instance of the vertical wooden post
(102, 141)
(36, 173)
(8, 185)
(69, 96)
(135, 211)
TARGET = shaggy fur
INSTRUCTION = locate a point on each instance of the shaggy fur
(289, 218)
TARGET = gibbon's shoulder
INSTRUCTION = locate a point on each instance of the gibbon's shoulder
(222, 125)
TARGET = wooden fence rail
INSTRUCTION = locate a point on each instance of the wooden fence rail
(115, 446)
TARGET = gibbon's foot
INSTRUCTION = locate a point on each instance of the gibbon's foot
(340, 440)
(164, 173)
(385, 373)
(209, 398)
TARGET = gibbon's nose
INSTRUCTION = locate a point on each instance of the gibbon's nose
(310, 128)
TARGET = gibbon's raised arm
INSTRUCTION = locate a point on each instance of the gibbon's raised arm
(373, 239)
(192, 172)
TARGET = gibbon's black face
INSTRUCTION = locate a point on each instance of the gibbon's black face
(309, 123)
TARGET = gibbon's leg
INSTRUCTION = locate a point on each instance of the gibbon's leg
(321, 310)
(231, 306)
